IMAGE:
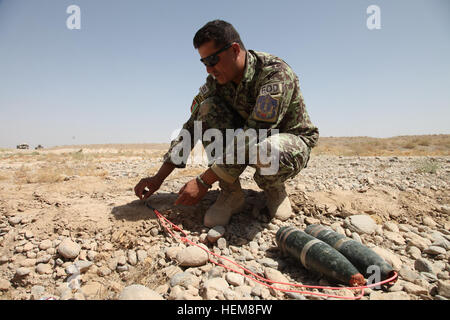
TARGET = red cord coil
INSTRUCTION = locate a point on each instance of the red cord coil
(262, 280)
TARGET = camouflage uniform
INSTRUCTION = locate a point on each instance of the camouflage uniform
(268, 97)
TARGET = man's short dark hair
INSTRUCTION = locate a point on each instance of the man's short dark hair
(220, 31)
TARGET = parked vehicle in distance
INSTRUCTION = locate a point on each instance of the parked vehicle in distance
(23, 146)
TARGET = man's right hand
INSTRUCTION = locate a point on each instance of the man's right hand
(152, 183)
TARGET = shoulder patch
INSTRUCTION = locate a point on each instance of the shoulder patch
(271, 88)
(266, 109)
(196, 102)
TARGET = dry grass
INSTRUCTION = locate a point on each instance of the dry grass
(53, 173)
(427, 145)
(148, 275)
(116, 147)
(86, 153)
(427, 166)
(54, 165)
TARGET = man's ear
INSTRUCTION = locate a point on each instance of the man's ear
(236, 49)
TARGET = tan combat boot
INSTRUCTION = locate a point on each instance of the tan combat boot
(278, 203)
(230, 201)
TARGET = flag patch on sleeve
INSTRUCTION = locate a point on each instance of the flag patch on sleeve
(196, 102)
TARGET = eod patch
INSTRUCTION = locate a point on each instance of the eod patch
(266, 109)
(271, 88)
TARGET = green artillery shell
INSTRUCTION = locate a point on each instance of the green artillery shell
(361, 256)
(318, 256)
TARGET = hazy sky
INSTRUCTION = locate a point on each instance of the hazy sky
(130, 73)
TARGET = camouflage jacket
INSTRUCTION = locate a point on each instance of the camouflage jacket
(268, 96)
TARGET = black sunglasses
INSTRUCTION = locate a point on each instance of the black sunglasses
(212, 60)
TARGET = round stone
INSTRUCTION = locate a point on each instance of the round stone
(215, 233)
(361, 224)
(69, 249)
(192, 257)
(234, 279)
(46, 244)
(22, 271)
(44, 268)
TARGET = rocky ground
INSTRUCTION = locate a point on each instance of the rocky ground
(84, 234)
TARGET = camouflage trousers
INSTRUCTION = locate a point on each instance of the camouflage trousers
(293, 153)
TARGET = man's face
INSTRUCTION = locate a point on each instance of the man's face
(226, 69)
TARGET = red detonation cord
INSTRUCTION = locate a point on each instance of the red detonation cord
(163, 220)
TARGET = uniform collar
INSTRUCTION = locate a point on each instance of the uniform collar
(250, 64)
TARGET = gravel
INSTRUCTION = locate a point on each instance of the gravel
(409, 227)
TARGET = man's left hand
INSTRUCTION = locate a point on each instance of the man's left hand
(191, 193)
